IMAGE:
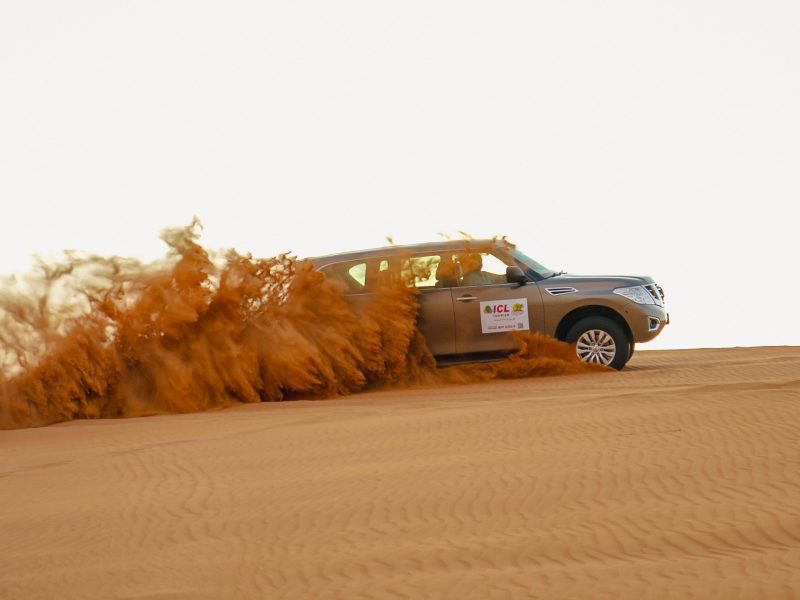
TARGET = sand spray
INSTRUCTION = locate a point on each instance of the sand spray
(99, 337)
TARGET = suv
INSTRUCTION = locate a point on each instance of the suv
(474, 293)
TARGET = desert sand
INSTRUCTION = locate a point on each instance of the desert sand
(676, 478)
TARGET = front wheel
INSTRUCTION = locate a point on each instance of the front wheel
(600, 340)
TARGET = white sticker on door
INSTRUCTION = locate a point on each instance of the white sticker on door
(505, 315)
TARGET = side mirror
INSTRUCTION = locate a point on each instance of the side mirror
(515, 275)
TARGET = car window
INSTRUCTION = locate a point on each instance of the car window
(481, 268)
(359, 273)
(493, 265)
(420, 271)
(352, 275)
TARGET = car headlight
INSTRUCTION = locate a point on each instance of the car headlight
(637, 293)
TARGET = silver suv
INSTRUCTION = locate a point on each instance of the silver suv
(474, 293)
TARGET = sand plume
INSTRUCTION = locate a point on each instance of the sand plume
(94, 336)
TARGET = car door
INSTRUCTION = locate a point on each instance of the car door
(436, 319)
(486, 314)
(361, 281)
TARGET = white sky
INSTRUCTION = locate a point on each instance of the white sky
(635, 137)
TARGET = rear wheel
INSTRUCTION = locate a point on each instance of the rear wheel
(600, 340)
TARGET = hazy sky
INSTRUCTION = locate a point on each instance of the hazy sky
(636, 137)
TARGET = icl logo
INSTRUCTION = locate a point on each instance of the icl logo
(497, 308)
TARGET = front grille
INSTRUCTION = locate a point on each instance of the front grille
(656, 292)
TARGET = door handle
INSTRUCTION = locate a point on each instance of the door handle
(467, 298)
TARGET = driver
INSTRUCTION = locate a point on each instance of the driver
(472, 273)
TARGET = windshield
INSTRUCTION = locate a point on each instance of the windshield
(531, 267)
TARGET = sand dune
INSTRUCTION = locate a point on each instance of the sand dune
(677, 478)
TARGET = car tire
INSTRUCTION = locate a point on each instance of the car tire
(600, 340)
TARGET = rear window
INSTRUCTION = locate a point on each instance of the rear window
(420, 271)
(352, 275)
(359, 273)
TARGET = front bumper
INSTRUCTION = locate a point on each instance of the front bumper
(647, 321)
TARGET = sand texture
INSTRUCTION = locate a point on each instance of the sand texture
(677, 478)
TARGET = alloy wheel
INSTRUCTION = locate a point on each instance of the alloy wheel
(596, 346)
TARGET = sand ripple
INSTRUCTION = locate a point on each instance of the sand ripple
(677, 478)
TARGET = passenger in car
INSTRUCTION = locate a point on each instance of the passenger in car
(471, 267)
(446, 273)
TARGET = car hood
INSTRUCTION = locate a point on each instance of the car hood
(605, 280)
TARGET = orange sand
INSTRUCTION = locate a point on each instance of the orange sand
(677, 478)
